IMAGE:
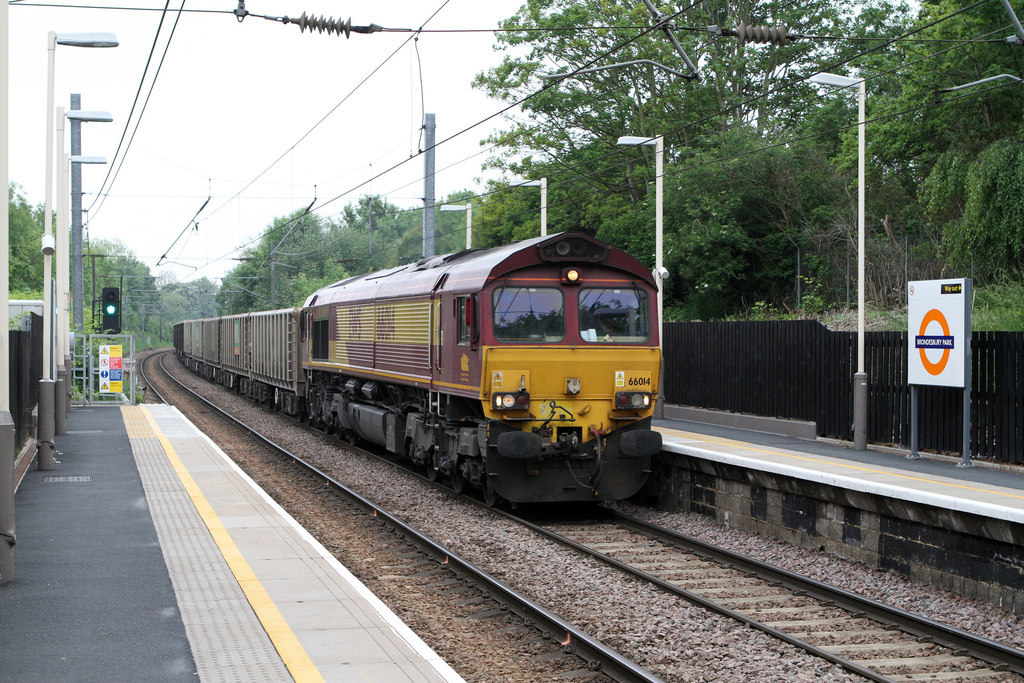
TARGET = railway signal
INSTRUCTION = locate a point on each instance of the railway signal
(111, 303)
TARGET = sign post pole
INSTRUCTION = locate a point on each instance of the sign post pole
(966, 460)
(913, 455)
(939, 347)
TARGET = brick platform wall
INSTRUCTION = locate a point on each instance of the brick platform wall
(974, 556)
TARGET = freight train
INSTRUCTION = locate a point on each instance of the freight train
(528, 371)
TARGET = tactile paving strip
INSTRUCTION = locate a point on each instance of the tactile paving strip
(228, 642)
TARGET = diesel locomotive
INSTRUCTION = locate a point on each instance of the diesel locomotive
(528, 371)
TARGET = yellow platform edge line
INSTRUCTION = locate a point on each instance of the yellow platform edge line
(834, 462)
(300, 666)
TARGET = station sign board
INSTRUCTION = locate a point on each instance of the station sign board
(939, 332)
(111, 369)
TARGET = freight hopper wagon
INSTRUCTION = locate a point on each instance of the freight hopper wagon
(528, 371)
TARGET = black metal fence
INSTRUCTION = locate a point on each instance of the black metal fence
(26, 369)
(801, 370)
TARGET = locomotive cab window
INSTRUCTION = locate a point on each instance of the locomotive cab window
(529, 315)
(463, 320)
(614, 315)
(320, 348)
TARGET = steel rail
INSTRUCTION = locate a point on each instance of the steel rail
(1002, 657)
(703, 602)
(598, 656)
(915, 624)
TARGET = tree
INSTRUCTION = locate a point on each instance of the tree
(25, 278)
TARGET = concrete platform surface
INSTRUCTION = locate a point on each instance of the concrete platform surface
(147, 554)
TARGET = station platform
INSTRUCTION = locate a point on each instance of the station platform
(147, 554)
(956, 528)
(984, 489)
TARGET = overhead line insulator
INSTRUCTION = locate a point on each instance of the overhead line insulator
(329, 24)
(761, 34)
(748, 33)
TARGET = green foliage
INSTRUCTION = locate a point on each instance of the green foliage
(999, 306)
(24, 231)
(989, 236)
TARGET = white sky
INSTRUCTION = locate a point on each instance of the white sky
(233, 97)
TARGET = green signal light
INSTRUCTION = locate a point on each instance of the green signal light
(111, 309)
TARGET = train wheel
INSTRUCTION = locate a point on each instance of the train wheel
(491, 497)
(458, 482)
(433, 474)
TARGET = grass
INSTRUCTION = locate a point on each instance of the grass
(998, 307)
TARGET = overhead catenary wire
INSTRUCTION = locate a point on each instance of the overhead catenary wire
(676, 130)
(111, 176)
(792, 140)
(453, 136)
(192, 222)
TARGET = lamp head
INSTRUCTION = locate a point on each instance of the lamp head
(93, 39)
(637, 141)
(834, 79)
(90, 116)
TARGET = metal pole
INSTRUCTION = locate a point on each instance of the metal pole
(543, 206)
(914, 424)
(51, 46)
(62, 356)
(659, 266)
(430, 128)
(798, 292)
(860, 380)
(44, 427)
(469, 225)
(62, 239)
(60, 335)
(966, 460)
(44, 430)
(77, 280)
(7, 436)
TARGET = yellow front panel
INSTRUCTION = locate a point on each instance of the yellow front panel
(549, 373)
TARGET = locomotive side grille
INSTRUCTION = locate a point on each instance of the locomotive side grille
(393, 334)
(403, 335)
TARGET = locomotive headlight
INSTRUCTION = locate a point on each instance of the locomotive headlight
(519, 400)
(637, 400)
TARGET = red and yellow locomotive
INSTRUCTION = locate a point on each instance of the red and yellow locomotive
(529, 371)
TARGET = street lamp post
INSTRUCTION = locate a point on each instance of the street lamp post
(543, 185)
(77, 290)
(45, 429)
(7, 435)
(659, 226)
(860, 379)
(77, 117)
(468, 208)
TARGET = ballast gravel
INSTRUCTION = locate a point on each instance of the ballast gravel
(670, 637)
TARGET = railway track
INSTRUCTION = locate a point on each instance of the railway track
(866, 637)
(408, 556)
(862, 636)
